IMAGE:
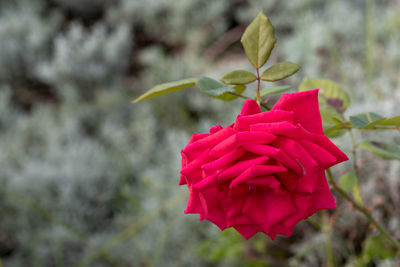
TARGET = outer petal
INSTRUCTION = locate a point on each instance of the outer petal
(250, 107)
(305, 108)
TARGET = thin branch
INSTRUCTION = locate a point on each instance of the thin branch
(246, 97)
(354, 152)
(258, 86)
(326, 229)
(363, 210)
(348, 125)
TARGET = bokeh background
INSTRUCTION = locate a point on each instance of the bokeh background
(89, 179)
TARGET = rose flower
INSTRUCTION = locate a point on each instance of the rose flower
(266, 171)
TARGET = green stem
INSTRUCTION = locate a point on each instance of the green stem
(326, 229)
(314, 223)
(246, 97)
(349, 126)
(363, 210)
(354, 151)
(258, 86)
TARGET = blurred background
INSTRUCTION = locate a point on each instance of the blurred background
(89, 179)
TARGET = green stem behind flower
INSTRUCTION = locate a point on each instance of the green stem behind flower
(363, 210)
(354, 151)
(327, 229)
(246, 97)
(258, 86)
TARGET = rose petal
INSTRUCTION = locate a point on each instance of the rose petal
(247, 231)
(308, 180)
(243, 123)
(250, 106)
(304, 106)
(224, 161)
(209, 141)
(320, 155)
(268, 207)
(265, 181)
(239, 168)
(255, 171)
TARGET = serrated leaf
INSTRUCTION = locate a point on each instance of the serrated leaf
(213, 87)
(348, 181)
(274, 90)
(330, 93)
(258, 40)
(332, 122)
(366, 120)
(384, 150)
(279, 71)
(166, 88)
(239, 77)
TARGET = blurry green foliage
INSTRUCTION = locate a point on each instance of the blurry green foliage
(80, 164)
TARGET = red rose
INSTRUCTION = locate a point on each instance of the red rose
(266, 171)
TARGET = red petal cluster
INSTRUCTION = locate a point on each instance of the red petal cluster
(266, 171)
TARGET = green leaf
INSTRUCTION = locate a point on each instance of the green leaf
(239, 77)
(374, 247)
(366, 120)
(238, 89)
(330, 93)
(378, 246)
(166, 88)
(274, 90)
(394, 121)
(332, 122)
(369, 120)
(348, 181)
(357, 194)
(384, 150)
(258, 40)
(213, 87)
(279, 71)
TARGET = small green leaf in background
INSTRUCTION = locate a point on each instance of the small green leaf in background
(365, 119)
(258, 40)
(348, 181)
(274, 90)
(375, 247)
(279, 71)
(332, 122)
(357, 194)
(239, 77)
(217, 89)
(394, 121)
(228, 96)
(227, 246)
(384, 150)
(330, 93)
(166, 88)
(370, 119)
